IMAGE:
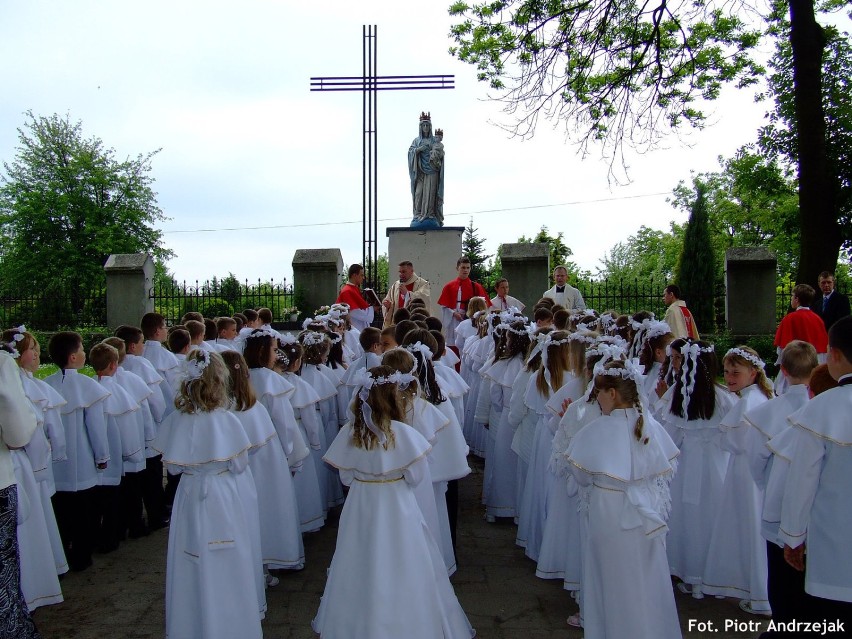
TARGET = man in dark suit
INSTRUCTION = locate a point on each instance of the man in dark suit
(833, 305)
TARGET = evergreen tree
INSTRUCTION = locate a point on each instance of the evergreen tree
(473, 248)
(696, 267)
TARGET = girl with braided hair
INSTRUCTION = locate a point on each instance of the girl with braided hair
(622, 463)
(696, 406)
(387, 577)
(736, 559)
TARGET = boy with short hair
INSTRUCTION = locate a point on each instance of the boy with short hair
(126, 436)
(134, 483)
(767, 426)
(370, 341)
(161, 403)
(226, 333)
(84, 422)
(196, 337)
(155, 332)
(388, 338)
(180, 343)
(543, 318)
(816, 510)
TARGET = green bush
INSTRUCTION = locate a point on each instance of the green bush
(215, 307)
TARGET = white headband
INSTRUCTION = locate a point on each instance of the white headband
(366, 381)
(750, 357)
(194, 368)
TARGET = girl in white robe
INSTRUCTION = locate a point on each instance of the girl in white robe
(48, 441)
(503, 463)
(319, 377)
(695, 411)
(622, 466)
(387, 579)
(444, 458)
(553, 373)
(736, 558)
(561, 523)
(212, 585)
(276, 394)
(280, 534)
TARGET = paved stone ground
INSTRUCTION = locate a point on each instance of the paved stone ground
(122, 595)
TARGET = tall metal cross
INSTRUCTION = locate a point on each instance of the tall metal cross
(369, 83)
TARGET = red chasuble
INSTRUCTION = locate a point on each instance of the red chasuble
(450, 295)
(805, 325)
(351, 294)
(691, 332)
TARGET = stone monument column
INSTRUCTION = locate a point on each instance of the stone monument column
(129, 278)
(527, 267)
(317, 277)
(750, 291)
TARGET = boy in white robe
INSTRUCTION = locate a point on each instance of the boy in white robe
(816, 510)
(87, 449)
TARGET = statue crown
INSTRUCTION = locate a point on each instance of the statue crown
(439, 132)
(425, 117)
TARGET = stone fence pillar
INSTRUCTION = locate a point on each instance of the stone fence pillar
(316, 277)
(527, 267)
(129, 278)
(750, 291)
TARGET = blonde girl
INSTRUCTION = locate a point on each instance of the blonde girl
(736, 558)
(280, 536)
(384, 552)
(214, 539)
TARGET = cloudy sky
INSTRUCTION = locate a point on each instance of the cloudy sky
(223, 89)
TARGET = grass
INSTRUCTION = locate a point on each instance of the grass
(49, 369)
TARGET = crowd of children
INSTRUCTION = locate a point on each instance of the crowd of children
(613, 447)
(624, 462)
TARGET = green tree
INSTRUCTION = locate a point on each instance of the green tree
(778, 138)
(559, 251)
(66, 204)
(649, 256)
(751, 201)
(473, 248)
(626, 73)
(696, 269)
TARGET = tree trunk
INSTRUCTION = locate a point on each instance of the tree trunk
(820, 233)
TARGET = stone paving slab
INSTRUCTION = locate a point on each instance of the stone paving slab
(122, 595)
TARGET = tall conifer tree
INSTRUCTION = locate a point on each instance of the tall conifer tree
(696, 268)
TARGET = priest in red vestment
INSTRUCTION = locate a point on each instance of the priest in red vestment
(360, 312)
(802, 324)
(455, 297)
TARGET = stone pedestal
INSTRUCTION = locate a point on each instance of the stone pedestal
(527, 267)
(750, 291)
(317, 277)
(432, 251)
(129, 278)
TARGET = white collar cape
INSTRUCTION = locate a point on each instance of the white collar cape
(143, 368)
(827, 416)
(572, 389)
(256, 423)
(304, 395)
(408, 448)
(451, 382)
(119, 402)
(78, 390)
(364, 361)
(133, 384)
(504, 371)
(607, 446)
(41, 394)
(266, 381)
(200, 438)
(318, 381)
(426, 419)
(750, 397)
(162, 359)
(770, 418)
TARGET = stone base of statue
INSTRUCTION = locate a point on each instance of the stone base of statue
(427, 223)
(433, 251)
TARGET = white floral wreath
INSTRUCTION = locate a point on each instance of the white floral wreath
(749, 357)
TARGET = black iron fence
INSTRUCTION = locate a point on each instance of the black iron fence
(55, 310)
(218, 298)
(213, 298)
